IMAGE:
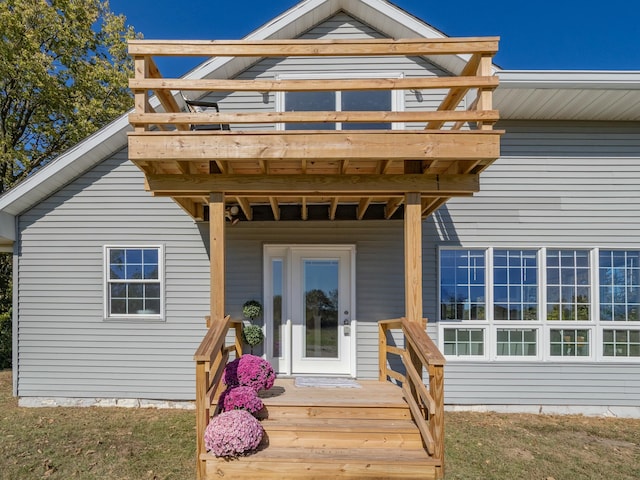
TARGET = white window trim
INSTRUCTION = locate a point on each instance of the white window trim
(397, 96)
(542, 325)
(161, 278)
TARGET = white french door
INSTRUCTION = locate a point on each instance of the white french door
(309, 317)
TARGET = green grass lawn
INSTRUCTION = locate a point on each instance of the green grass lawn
(120, 443)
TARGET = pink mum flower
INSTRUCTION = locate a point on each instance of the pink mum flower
(233, 433)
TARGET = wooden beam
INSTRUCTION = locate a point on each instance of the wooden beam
(206, 118)
(455, 95)
(385, 166)
(339, 145)
(275, 208)
(413, 257)
(333, 208)
(362, 207)
(297, 47)
(392, 206)
(217, 254)
(312, 184)
(304, 213)
(246, 207)
(194, 209)
(344, 164)
(159, 85)
(166, 97)
(433, 205)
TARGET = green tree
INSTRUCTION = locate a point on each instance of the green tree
(64, 72)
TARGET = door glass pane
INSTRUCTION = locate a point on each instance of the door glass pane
(277, 307)
(321, 308)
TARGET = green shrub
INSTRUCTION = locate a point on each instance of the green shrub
(5, 340)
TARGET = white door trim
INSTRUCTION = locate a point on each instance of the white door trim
(282, 255)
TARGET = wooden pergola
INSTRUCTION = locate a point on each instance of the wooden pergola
(354, 174)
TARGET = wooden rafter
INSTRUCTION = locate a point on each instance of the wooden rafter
(246, 207)
(362, 207)
(333, 208)
(275, 208)
(392, 206)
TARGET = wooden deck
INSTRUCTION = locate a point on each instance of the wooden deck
(324, 432)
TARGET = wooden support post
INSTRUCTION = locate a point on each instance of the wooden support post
(202, 420)
(382, 353)
(413, 257)
(141, 97)
(436, 424)
(216, 255)
(485, 96)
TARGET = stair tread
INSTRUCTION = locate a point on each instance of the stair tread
(340, 424)
(399, 456)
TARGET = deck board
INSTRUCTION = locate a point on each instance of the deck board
(372, 394)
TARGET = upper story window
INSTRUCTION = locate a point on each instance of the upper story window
(134, 282)
(341, 101)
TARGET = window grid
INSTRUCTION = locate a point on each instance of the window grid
(464, 341)
(515, 279)
(133, 281)
(621, 343)
(569, 342)
(568, 285)
(619, 276)
(517, 342)
(462, 280)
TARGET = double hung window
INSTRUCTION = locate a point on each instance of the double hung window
(134, 282)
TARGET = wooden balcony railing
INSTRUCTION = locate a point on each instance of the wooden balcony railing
(419, 352)
(437, 148)
(211, 358)
(476, 75)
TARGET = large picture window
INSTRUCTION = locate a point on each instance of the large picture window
(133, 282)
(540, 304)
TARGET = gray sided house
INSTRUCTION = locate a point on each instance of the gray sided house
(531, 286)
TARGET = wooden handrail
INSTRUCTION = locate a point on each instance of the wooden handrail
(317, 48)
(477, 75)
(211, 358)
(418, 354)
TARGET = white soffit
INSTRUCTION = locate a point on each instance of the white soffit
(568, 95)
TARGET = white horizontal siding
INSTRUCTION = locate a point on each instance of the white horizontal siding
(556, 184)
(62, 336)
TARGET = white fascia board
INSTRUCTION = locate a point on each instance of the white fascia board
(66, 167)
(569, 79)
(7, 230)
(269, 30)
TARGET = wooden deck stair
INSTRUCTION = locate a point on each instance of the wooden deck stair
(323, 433)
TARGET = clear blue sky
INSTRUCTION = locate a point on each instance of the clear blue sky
(535, 35)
